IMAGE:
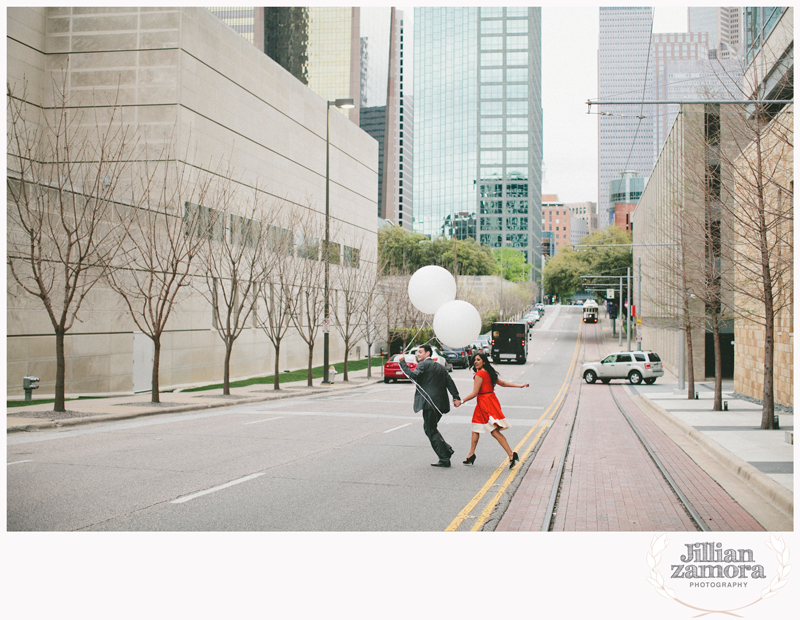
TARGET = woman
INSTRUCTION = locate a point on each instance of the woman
(488, 416)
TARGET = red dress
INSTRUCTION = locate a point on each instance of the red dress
(488, 415)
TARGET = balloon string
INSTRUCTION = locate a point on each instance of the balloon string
(411, 342)
(425, 395)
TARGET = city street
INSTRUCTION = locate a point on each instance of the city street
(358, 461)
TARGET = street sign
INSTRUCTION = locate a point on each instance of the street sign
(326, 326)
(610, 293)
(638, 333)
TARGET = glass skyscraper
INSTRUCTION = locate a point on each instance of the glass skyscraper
(478, 123)
(626, 71)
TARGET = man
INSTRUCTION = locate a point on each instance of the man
(433, 382)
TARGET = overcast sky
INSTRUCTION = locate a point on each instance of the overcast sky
(569, 79)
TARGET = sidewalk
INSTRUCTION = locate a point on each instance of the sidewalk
(89, 410)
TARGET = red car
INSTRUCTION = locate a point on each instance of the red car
(392, 371)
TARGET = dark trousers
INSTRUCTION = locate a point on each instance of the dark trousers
(430, 418)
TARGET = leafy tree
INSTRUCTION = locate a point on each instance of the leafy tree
(399, 249)
(510, 263)
(472, 258)
(562, 273)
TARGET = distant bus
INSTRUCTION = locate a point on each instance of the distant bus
(590, 310)
(510, 342)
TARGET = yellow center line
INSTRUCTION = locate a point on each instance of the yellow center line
(465, 513)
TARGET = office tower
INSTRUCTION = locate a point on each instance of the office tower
(625, 194)
(556, 219)
(343, 53)
(669, 48)
(478, 124)
(724, 28)
(387, 111)
(585, 211)
(626, 70)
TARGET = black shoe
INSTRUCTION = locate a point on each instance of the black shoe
(441, 463)
(470, 460)
(514, 460)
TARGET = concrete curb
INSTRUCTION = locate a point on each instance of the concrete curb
(108, 417)
(779, 497)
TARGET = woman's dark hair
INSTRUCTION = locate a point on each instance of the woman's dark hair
(486, 366)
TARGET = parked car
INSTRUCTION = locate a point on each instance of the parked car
(483, 345)
(436, 356)
(393, 372)
(540, 308)
(460, 357)
(635, 366)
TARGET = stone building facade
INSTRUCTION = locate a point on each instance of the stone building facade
(182, 72)
(769, 47)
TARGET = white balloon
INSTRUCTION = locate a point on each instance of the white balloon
(430, 287)
(457, 323)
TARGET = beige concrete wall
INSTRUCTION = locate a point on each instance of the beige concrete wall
(181, 71)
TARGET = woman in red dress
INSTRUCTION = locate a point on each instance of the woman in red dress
(488, 416)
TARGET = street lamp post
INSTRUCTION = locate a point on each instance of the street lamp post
(343, 104)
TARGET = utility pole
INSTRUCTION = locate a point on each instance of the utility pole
(639, 313)
(628, 329)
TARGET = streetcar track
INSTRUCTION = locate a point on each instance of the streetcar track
(552, 508)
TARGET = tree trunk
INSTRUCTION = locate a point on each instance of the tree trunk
(226, 381)
(690, 362)
(156, 360)
(276, 379)
(346, 354)
(768, 401)
(369, 360)
(61, 367)
(310, 364)
(717, 363)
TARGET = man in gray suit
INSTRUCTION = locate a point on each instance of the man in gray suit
(433, 382)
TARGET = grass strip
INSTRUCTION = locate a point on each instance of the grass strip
(286, 377)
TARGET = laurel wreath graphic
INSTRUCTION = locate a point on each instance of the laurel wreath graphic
(781, 578)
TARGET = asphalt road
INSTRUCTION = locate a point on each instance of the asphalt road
(355, 462)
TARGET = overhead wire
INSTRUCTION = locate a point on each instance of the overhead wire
(644, 91)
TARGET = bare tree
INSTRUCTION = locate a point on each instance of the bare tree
(760, 204)
(310, 295)
(278, 285)
(233, 264)
(355, 282)
(67, 167)
(371, 312)
(170, 228)
(763, 226)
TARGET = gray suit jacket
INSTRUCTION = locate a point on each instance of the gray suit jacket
(435, 380)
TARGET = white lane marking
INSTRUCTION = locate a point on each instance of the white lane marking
(259, 421)
(397, 428)
(187, 498)
(18, 462)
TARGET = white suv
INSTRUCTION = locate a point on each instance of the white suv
(635, 366)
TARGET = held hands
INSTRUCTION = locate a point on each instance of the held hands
(456, 402)
(524, 385)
